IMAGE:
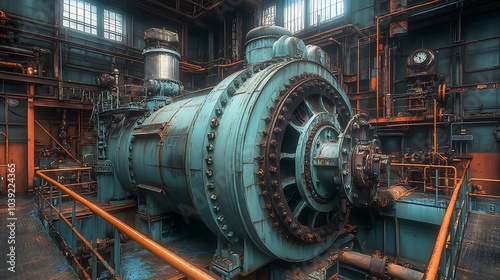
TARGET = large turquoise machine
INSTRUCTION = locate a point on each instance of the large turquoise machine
(271, 159)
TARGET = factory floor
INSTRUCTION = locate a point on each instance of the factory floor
(480, 254)
(36, 256)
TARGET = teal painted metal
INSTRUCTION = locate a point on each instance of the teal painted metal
(264, 159)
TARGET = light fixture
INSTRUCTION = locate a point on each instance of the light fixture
(12, 102)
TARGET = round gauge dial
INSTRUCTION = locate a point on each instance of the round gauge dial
(420, 57)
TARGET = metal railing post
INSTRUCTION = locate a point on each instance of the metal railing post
(117, 252)
(94, 245)
(50, 202)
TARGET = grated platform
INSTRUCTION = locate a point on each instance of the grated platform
(480, 254)
(36, 255)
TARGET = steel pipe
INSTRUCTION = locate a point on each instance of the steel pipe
(379, 267)
(433, 266)
(175, 260)
(6, 148)
(483, 180)
(430, 166)
(13, 65)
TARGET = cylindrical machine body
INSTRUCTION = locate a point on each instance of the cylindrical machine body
(257, 159)
(204, 153)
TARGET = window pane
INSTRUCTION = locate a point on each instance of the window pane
(80, 15)
(269, 15)
(323, 10)
(294, 15)
(113, 26)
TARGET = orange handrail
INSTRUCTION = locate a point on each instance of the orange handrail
(433, 266)
(175, 260)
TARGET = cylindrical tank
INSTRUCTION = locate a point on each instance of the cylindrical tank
(263, 159)
(161, 60)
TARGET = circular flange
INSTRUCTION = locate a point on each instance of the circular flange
(316, 193)
(307, 110)
(360, 161)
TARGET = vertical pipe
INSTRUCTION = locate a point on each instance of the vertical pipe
(435, 150)
(6, 150)
(396, 225)
(94, 244)
(385, 236)
(51, 201)
(437, 189)
(59, 201)
(73, 222)
(31, 138)
(358, 70)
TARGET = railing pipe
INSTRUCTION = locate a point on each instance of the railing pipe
(455, 178)
(433, 266)
(176, 261)
(80, 236)
(483, 180)
(68, 247)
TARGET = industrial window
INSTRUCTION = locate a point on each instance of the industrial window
(294, 15)
(269, 15)
(322, 10)
(113, 26)
(80, 15)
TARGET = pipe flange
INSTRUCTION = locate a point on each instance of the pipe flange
(304, 97)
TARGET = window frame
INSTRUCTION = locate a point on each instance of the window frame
(294, 12)
(273, 12)
(109, 32)
(80, 20)
(327, 7)
(306, 11)
(101, 29)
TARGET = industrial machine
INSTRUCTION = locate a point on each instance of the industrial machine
(271, 159)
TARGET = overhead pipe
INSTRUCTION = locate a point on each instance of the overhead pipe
(78, 45)
(13, 65)
(328, 33)
(16, 50)
(433, 265)
(184, 266)
(380, 268)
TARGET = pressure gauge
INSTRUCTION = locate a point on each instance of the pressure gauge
(420, 57)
